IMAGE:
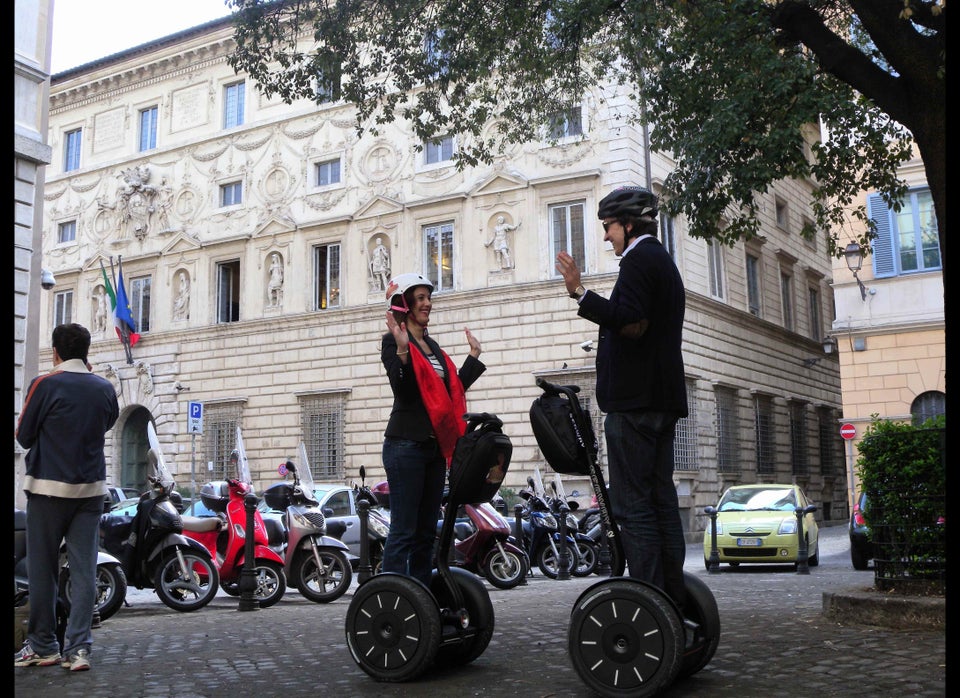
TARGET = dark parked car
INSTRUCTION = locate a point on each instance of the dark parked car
(861, 549)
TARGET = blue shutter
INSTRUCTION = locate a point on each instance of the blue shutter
(884, 251)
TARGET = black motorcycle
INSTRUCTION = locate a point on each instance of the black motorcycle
(152, 548)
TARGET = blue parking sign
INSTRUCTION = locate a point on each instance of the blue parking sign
(195, 418)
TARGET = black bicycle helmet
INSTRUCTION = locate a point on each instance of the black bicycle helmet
(633, 202)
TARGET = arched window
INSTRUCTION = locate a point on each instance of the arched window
(932, 403)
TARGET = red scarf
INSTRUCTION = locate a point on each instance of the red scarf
(446, 409)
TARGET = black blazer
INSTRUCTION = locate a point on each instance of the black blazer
(408, 417)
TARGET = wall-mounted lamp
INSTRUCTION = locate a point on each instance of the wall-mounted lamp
(587, 346)
(180, 387)
(47, 279)
(829, 347)
(854, 254)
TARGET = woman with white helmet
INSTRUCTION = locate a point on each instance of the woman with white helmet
(425, 422)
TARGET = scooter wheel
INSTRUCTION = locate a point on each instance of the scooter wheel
(111, 588)
(271, 583)
(393, 627)
(625, 638)
(587, 557)
(505, 570)
(701, 608)
(186, 592)
(328, 586)
(476, 602)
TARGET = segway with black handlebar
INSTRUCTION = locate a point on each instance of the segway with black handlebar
(626, 637)
(396, 627)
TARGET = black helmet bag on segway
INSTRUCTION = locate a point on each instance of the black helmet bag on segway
(396, 628)
(626, 637)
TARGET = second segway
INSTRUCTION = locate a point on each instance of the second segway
(396, 627)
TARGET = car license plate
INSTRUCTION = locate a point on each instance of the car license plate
(749, 542)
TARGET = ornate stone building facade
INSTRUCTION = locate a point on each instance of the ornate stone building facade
(255, 237)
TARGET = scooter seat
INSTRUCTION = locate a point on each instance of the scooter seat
(201, 524)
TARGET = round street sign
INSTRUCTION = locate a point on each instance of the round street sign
(848, 431)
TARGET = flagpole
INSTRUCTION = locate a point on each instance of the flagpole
(124, 335)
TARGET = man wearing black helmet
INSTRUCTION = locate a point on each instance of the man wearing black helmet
(640, 384)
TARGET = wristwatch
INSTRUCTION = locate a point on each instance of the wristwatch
(578, 292)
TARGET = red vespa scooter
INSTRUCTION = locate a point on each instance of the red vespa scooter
(483, 544)
(227, 545)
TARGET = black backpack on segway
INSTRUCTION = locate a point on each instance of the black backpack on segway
(659, 643)
(395, 627)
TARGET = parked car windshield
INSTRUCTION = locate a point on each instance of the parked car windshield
(778, 499)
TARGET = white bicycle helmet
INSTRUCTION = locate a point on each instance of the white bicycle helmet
(404, 283)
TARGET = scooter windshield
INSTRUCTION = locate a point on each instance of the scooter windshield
(155, 455)
(303, 470)
(243, 465)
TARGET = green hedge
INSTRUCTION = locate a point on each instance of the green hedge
(902, 471)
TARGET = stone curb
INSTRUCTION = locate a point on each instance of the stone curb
(889, 611)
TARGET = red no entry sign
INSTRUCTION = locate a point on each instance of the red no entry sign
(848, 431)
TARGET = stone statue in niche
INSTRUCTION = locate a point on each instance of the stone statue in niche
(501, 246)
(100, 310)
(181, 304)
(379, 267)
(145, 375)
(275, 282)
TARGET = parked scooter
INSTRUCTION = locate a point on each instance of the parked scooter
(152, 548)
(228, 546)
(587, 553)
(315, 564)
(111, 581)
(378, 524)
(541, 535)
(483, 544)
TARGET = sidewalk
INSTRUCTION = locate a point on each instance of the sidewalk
(775, 640)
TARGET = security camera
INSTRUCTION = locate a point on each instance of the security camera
(587, 346)
(47, 280)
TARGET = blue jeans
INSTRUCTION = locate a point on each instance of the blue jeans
(643, 498)
(50, 520)
(416, 473)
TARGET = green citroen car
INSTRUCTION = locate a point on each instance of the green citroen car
(758, 523)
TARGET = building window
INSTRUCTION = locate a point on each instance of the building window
(233, 99)
(754, 302)
(786, 297)
(438, 253)
(809, 232)
(231, 194)
(685, 436)
(566, 233)
(328, 79)
(908, 240)
(827, 437)
(437, 151)
(63, 308)
(813, 308)
(67, 232)
(668, 237)
(764, 435)
(321, 420)
(798, 438)
(728, 430)
(326, 264)
(327, 172)
(565, 124)
(140, 302)
(228, 291)
(220, 422)
(928, 405)
(715, 263)
(782, 213)
(148, 128)
(71, 150)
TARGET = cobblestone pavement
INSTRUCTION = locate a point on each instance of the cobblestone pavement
(774, 641)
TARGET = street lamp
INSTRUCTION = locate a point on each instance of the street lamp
(853, 254)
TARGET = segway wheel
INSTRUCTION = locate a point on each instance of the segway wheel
(473, 639)
(625, 639)
(701, 608)
(393, 627)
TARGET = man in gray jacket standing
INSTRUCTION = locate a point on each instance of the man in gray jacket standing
(64, 418)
